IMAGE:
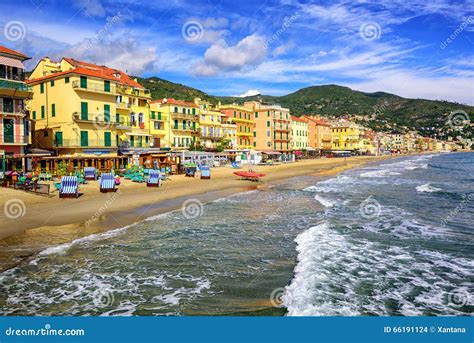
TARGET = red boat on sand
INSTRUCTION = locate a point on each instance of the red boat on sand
(249, 175)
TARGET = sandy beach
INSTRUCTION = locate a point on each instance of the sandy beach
(48, 221)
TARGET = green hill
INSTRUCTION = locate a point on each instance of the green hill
(379, 110)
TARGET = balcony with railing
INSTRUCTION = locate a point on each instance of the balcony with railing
(96, 120)
(94, 87)
(85, 143)
(180, 115)
(213, 136)
(138, 92)
(123, 105)
(14, 140)
(185, 128)
(14, 85)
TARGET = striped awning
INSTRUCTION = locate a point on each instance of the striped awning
(11, 62)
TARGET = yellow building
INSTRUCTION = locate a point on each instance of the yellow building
(84, 109)
(210, 127)
(346, 136)
(245, 124)
(182, 117)
(299, 133)
(160, 125)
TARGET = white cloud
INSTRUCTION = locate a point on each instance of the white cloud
(121, 53)
(250, 92)
(91, 8)
(283, 49)
(220, 57)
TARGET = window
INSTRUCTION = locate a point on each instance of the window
(175, 110)
(194, 111)
(53, 110)
(268, 113)
(157, 125)
(66, 79)
(58, 138)
(51, 83)
(106, 86)
(84, 110)
(42, 112)
(84, 138)
(107, 113)
(254, 134)
(184, 111)
(41, 88)
(83, 82)
(268, 123)
(34, 114)
(152, 114)
(8, 130)
(107, 139)
(159, 115)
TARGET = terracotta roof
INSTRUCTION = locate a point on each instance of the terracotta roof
(172, 101)
(318, 121)
(298, 119)
(93, 70)
(5, 50)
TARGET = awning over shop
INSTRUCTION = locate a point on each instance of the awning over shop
(11, 62)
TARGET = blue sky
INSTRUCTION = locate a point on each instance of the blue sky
(410, 48)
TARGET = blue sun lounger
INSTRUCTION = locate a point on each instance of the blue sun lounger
(107, 183)
(153, 178)
(69, 187)
(89, 173)
(205, 172)
(235, 165)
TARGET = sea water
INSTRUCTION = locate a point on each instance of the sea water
(394, 238)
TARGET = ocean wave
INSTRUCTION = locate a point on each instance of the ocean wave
(338, 274)
(380, 173)
(324, 201)
(427, 188)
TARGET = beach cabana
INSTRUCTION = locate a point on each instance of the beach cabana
(107, 183)
(89, 173)
(69, 187)
(153, 178)
(205, 172)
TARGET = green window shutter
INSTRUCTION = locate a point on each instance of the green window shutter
(268, 123)
(52, 83)
(255, 144)
(84, 110)
(66, 79)
(42, 112)
(107, 113)
(146, 139)
(268, 113)
(34, 114)
(84, 138)
(106, 86)
(152, 114)
(42, 88)
(8, 130)
(159, 115)
(83, 82)
(254, 134)
(107, 139)
(132, 141)
(59, 138)
(53, 110)
(117, 117)
(194, 111)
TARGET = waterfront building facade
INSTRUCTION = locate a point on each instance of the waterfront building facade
(15, 125)
(299, 133)
(245, 123)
